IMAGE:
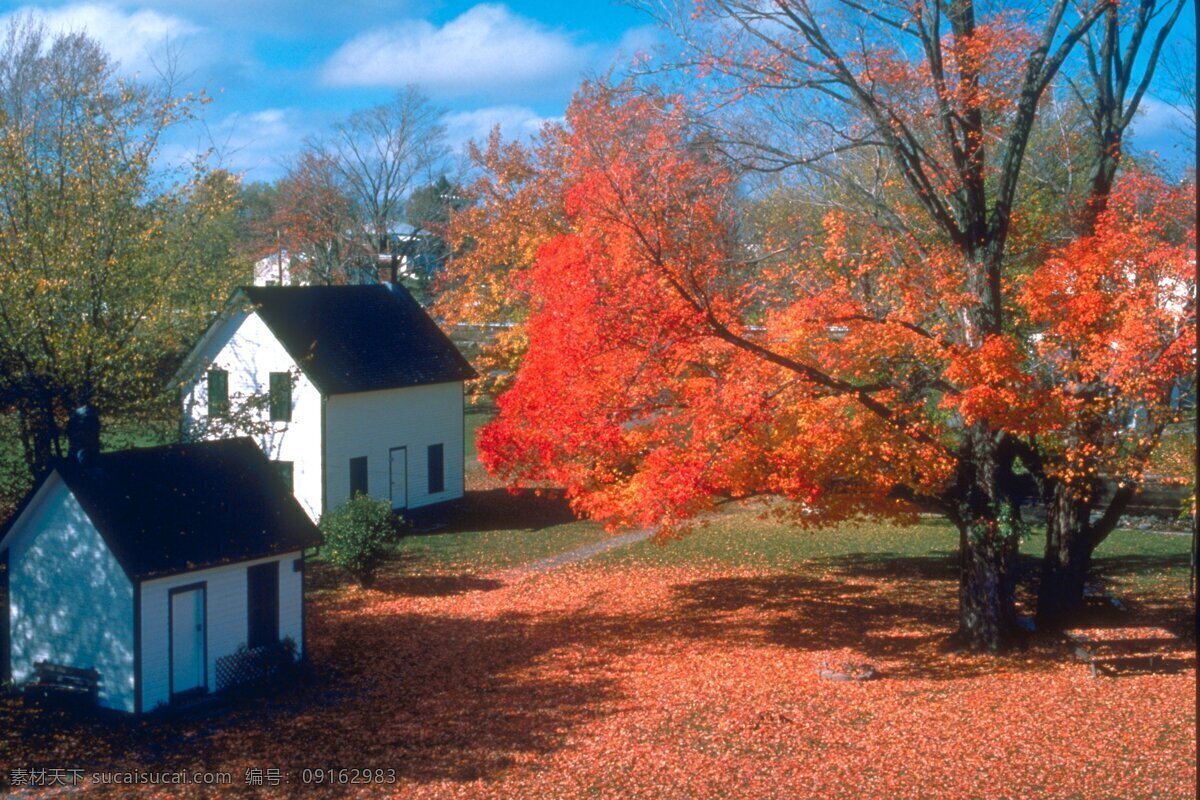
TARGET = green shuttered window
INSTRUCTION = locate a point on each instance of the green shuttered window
(281, 396)
(218, 393)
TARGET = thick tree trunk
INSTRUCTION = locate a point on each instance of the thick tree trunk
(1067, 558)
(987, 557)
(1071, 538)
(40, 434)
(988, 540)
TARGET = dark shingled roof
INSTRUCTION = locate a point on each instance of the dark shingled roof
(173, 509)
(359, 338)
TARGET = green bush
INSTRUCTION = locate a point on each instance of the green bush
(357, 534)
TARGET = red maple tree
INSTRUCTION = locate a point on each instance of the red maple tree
(668, 369)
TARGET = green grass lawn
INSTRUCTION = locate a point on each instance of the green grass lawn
(496, 530)
(489, 530)
(747, 537)
(483, 550)
(1129, 561)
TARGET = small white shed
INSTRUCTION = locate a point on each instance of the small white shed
(166, 570)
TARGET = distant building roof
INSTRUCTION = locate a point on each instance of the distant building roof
(359, 338)
(179, 508)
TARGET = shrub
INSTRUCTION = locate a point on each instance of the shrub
(357, 534)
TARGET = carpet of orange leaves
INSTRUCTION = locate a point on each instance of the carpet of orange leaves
(640, 681)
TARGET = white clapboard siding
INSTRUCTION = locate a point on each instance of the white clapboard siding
(70, 602)
(244, 347)
(372, 423)
(226, 618)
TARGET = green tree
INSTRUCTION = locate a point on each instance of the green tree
(109, 264)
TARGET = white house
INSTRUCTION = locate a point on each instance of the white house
(275, 269)
(348, 388)
(166, 570)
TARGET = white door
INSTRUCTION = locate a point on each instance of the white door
(187, 640)
(399, 470)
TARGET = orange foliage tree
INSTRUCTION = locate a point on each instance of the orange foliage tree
(667, 369)
(947, 99)
(512, 208)
(314, 219)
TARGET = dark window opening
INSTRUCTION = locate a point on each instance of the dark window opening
(358, 476)
(437, 469)
(218, 393)
(287, 473)
(281, 397)
(262, 604)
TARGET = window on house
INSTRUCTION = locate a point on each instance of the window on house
(437, 468)
(262, 604)
(218, 393)
(281, 396)
(358, 476)
(287, 473)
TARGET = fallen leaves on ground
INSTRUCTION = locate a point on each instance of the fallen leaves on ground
(651, 681)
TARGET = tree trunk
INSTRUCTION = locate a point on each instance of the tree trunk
(40, 434)
(988, 539)
(987, 557)
(1067, 558)
(1071, 538)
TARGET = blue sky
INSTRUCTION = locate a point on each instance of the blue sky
(282, 70)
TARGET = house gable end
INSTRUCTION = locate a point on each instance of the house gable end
(71, 600)
(214, 340)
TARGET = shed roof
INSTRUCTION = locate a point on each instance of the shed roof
(359, 338)
(179, 508)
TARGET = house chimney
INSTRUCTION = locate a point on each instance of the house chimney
(83, 434)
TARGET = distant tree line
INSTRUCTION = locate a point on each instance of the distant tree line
(367, 201)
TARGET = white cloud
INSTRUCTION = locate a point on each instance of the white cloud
(1164, 129)
(516, 122)
(1156, 117)
(637, 43)
(487, 50)
(253, 144)
(138, 39)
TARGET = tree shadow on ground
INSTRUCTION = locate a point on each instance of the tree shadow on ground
(432, 697)
(434, 585)
(934, 566)
(485, 510)
(1127, 566)
(1124, 577)
(324, 576)
(443, 697)
(906, 626)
